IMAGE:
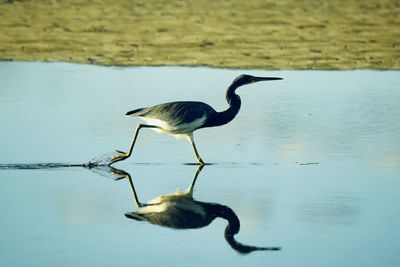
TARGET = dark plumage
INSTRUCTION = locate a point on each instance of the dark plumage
(175, 113)
(185, 117)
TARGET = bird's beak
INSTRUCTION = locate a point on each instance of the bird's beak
(259, 79)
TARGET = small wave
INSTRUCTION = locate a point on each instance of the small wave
(34, 166)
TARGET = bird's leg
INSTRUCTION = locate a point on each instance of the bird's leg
(126, 175)
(138, 127)
(195, 150)
(125, 155)
(134, 194)
(198, 170)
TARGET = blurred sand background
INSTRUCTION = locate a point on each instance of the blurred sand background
(285, 34)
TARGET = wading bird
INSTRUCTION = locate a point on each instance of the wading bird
(182, 118)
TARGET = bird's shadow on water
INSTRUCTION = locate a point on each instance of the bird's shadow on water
(179, 210)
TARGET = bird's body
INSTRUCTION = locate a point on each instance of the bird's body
(176, 118)
(182, 118)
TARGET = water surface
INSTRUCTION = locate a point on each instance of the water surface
(310, 164)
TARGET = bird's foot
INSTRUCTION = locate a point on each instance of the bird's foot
(201, 162)
(119, 157)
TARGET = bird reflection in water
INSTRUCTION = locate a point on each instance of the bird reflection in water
(180, 210)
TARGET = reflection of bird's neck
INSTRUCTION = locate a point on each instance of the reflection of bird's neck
(234, 105)
(227, 213)
(233, 228)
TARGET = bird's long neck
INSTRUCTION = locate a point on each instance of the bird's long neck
(234, 105)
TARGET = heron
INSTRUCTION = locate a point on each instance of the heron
(182, 118)
(179, 210)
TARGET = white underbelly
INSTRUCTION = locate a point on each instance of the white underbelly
(176, 130)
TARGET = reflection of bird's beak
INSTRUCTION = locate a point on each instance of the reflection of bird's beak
(259, 79)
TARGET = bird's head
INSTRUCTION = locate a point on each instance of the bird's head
(248, 79)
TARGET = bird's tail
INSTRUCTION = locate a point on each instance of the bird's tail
(135, 112)
(134, 215)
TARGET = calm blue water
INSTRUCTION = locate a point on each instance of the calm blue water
(310, 164)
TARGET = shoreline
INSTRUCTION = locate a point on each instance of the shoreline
(289, 35)
(191, 66)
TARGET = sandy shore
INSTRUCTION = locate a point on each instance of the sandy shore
(287, 34)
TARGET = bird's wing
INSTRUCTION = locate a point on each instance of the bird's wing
(176, 113)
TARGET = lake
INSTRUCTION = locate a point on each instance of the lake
(311, 164)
